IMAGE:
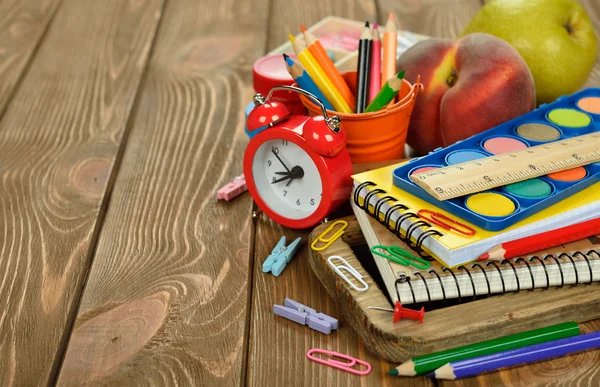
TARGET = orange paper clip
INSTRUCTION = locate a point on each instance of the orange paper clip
(451, 225)
(347, 365)
(328, 240)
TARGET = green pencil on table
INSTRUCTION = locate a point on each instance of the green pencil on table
(424, 364)
(387, 93)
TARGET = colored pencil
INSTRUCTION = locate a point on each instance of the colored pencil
(319, 77)
(375, 81)
(424, 364)
(387, 93)
(363, 70)
(304, 80)
(390, 42)
(542, 241)
(515, 357)
(316, 49)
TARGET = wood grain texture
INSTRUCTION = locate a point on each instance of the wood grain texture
(166, 298)
(59, 139)
(438, 18)
(580, 369)
(22, 27)
(444, 327)
(278, 346)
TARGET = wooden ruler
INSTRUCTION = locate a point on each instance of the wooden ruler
(495, 171)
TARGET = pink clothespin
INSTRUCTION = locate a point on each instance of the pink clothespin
(347, 365)
(233, 189)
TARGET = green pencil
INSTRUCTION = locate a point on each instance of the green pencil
(427, 363)
(386, 94)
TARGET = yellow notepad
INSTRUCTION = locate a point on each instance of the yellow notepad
(454, 249)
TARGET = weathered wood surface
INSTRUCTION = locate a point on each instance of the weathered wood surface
(166, 301)
(175, 293)
(22, 27)
(444, 328)
(59, 139)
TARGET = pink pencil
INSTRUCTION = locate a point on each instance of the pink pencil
(375, 82)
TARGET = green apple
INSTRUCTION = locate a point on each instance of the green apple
(555, 37)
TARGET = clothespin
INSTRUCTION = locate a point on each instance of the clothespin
(304, 315)
(235, 188)
(280, 256)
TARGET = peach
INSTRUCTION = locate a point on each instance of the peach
(471, 85)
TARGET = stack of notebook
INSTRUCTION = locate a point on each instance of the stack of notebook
(378, 205)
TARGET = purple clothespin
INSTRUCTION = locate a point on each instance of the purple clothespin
(304, 315)
(233, 189)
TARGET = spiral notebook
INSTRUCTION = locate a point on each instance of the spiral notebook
(375, 193)
(570, 264)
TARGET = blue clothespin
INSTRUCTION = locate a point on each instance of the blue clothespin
(280, 256)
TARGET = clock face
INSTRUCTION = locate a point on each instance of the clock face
(287, 179)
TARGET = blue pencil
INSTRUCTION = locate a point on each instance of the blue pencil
(525, 355)
(304, 80)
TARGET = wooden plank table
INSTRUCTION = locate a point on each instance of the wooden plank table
(118, 121)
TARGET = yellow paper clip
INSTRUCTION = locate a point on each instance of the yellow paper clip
(329, 240)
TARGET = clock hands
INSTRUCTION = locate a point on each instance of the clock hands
(296, 173)
(281, 161)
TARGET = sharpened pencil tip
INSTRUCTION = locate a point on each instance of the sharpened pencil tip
(367, 24)
(401, 74)
(393, 372)
(285, 56)
(302, 28)
(375, 25)
(292, 39)
(391, 16)
(484, 256)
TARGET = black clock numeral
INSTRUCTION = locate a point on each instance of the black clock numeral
(312, 202)
(269, 163)
(284, 192)
(298, 202)
(275, 150)
(284, 142)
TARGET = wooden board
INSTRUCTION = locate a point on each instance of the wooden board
(166, 300)
(443, 328)
(23, 24)
(60, 136)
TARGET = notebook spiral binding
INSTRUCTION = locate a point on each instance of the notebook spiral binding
(562, 259)
(491, 265)
(396, 228)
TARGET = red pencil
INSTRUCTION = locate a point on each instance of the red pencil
(375, 81)
(542, 241)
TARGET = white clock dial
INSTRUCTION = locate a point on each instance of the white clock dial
(287, 179)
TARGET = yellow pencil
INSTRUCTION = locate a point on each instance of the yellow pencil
(318, 75)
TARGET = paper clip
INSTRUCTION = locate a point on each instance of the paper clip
(346, 266)
(347, 366)
(452, 225)
(400, 256)
(329, 240)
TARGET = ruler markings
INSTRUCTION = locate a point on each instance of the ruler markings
(498, 170)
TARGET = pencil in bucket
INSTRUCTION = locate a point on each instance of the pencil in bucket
(379, 135)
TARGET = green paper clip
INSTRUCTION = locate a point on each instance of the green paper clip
(400, 256)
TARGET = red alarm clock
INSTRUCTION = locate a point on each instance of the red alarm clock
(297, 167)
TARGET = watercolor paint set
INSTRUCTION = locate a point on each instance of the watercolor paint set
(498, 208)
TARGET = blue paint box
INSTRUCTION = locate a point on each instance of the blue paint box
(569, 116)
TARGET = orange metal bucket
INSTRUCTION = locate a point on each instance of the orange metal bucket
(375, 136)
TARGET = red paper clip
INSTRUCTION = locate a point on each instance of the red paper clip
(453, 225)
(347, 366)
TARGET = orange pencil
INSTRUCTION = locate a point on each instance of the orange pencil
(390, 41)
(320, 55)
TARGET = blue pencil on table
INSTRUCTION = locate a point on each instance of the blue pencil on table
(304, 80)
(525, 355)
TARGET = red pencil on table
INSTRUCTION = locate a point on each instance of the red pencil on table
(375, 81)
(530, 244)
